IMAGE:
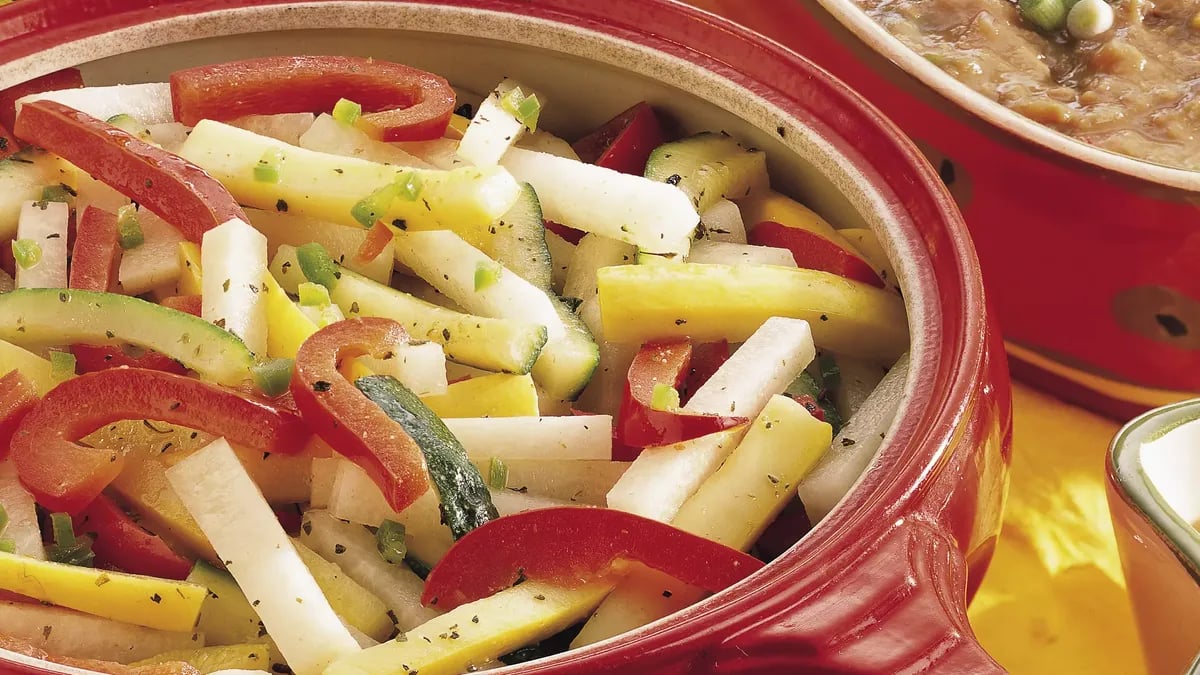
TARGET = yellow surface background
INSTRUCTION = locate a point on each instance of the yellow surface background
(1054, 599)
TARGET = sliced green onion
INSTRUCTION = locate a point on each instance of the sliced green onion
(3, 519)
(26, 252)
(486, 274)
(314, 295)
(346, 111)
(1089, 18)
(664, 397)
(497, 474)
(408, 186)
(526, 109)
(129, 230)
(317, 265)
(8, 545)
(66, 549)
(372, 207)
(273, 376)
(62, 366)
(57, 193)
(389, 538)
(267, 169)
(1048, 15)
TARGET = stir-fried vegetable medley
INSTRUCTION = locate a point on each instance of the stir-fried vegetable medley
(308, 366)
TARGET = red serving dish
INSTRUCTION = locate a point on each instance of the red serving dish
(882, 584)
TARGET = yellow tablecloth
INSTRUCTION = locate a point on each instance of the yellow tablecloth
(1054, 599)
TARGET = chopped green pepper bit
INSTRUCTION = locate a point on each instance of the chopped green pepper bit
(27, 253)
(273, 375)
(346, 111)
(486, 274)
(389, 538)
(57, 193)
(317, 265)
(372, 207)
(3, 519)
(408, 186)
(526, 109)
(129, 229)
(497, 474)
(8, 545)
(267, 168)
(66, 549)
(313, 295)
(664, 397)
(62, 365)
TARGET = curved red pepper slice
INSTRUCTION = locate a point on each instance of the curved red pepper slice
(570, 545)
(639, 424)
(625, 142)
(17, 398)
(92, 358)
(120, 543)
(814, 252)
(188, 304)
(400, 103)
(349, 421)
(180, 192)
(66, 476)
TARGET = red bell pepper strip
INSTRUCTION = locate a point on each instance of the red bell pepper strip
(399, 103)
(17, 398)
(640, 424)
(570, 545)
(69, 78)
(378, 237)
(189, 304)
(66, 476)
(349, 421)
(625, 142)
(569, 233)
(96, 254)
(814, 252)
(121, 544)
(170, 186)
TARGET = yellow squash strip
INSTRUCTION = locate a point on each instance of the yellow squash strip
(143, 601)
(477, 633)
(499, 395)
(786, 211)
(251, 656)
(31, 366)
(722, 302)
(287, 326)
(354, 604)
(192, 274)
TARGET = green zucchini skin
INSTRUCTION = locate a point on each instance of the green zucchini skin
(465, 501)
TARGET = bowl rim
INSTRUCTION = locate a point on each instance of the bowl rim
(875, 36)
(958, 346)
(1136, 487)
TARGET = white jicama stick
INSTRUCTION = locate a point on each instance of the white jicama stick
(44, 226)
(857, 379)
(492, 131)
(574, 481)
(765, 364)
(654, 216)
(357, 499)
(575, 437)
(727, 253)
(342, 242)
(225, 502)
(544, 141)
(169, 135)
(234, 259)
(354, 549)
(441, 153)
(605, 390)
(420, 367)
(324, 471)
(592, 253)
(855, 445)
(337, 138)
(84, 636)
(723, 222)
(150, 103)
(287, 127)
(156, 262)
(22, 526)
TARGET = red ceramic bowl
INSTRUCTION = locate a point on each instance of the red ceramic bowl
(881, 585)
(1089, 255)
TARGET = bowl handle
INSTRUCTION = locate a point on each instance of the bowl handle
(898, 605)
